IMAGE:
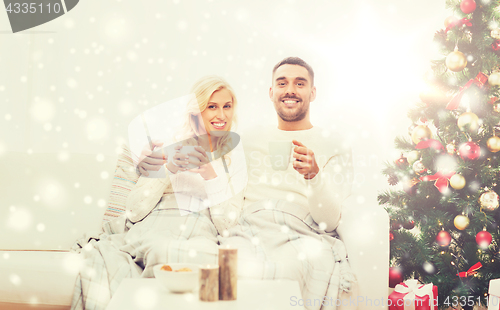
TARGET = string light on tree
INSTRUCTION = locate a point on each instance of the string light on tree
(429, 267)
(471, 60)
(451, 148)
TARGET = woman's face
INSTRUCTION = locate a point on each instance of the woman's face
(218, 115)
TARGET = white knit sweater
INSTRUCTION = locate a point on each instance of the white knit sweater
(220, 198)
(321, 196)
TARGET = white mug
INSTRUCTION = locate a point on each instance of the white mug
(280, 152)
(190, 149)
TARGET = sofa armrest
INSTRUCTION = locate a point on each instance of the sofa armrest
(38, 279)
(364, 229)
(49, 203)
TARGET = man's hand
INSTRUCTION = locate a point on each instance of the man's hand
(151, 160)
(304, 162)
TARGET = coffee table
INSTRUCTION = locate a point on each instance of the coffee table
(148, 294)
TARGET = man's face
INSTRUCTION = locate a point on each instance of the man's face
(291, 92)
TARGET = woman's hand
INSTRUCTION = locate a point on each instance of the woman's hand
(179, 161)
(205, 169)
(151, 160)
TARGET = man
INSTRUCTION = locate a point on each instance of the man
(288, 219)
(322, 163)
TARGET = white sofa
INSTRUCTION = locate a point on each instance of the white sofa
(49, 200)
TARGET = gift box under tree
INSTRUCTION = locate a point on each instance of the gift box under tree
(494, 292)
(411, 294)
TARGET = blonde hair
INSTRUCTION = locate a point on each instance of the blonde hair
(193, 126)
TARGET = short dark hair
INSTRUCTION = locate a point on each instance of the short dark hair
(296, 61)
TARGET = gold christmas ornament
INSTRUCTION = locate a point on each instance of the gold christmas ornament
(456, 61)
(457, 181)
(495, 33)
(494, 79)
(493, 144)
(496, 107)
(489, 200)
(412, 157)
(420, 133)
(468, 121)
(461, 222)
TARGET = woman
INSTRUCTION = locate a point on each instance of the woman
(193, 204)
(176, 218)
(208, 120)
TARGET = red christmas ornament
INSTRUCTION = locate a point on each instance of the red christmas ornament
(468, 6)
(450, 21)
(401, 162)
(391, 236)
(443, 238)
(469, 151)
(496, 45)
(395, 276)
(483, 239)
(410, 223)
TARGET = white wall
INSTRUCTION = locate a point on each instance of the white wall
(74, 84)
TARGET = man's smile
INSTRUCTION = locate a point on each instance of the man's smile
(290, 102)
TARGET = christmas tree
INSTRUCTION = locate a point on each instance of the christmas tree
(445, 220)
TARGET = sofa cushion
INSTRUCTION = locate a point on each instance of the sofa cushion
(38, 278)
(124, 180)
